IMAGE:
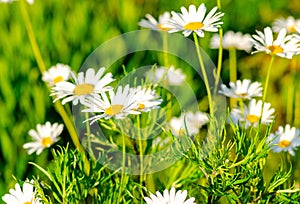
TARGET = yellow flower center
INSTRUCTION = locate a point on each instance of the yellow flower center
(160, 27)
(193, 26)
(284, 143)
(141, 106)
(83, 89)
(57, 79)
(275, 49)
(27, 202)
(252, 118)
(114, 109)
(242, 94)
(47, 141)
(292, 29)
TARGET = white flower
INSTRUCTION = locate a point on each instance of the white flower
(194, 20)
(242, 89)
(8, 1)
(57, 73)
(290, 24)
(120, 105)
(171, 197)
(188, 123)
(146, 99)
(44, 137)
(285, 139)
(19, 196)
(232, 40)
(252, 113)
(153, 24)
(168, 75)
(284, 46)
(90, 84)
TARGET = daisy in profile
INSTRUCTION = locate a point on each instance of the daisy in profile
(118, 105)
(25, 196)
(43, 137)
(232, 40)
(57, 73)
(153, 24)
(188, 123)
(195, 20)
(146, 99)
(170, 76)
(8, 1)
(285, 46)
(171, 197)
(290, 24)
(285, 139)
(252, 113)
(85, 84)
(242, 89)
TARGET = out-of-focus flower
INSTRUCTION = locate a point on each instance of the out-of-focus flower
(290, 24)
(195, 20)
(90, 83)
(285, 46)
(9, 1)
(285, 139)
(153, 24)
(19, 196)
(232, 40)
(188, 123)
(43, 137)
(171, 197)
(170, 76)
(242, 89)
(251, 114)
(57, 73)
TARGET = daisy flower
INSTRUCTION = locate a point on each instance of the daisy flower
(194, 20)
(190, 122)
(285, 139)
(169, 76)
(232, 40)
(17, 195)
(44, 137)
(290, 24)
(153, 24)
(120, 104)
(242, 89)
(85, 84)
(57, 73)
(171, 197)
(252, 113)
(8, 1)
(285, 46)
(146, 99)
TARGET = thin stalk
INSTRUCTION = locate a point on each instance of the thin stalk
(123, 166)
(268, 77)
(41, 65)
(211, 108)
(165, 48)
(232, 71)
(140, 151)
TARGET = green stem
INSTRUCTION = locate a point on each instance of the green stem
(211, 108)
(219, 4)
(268, 77)
(232, 71)
(123, 166)
(140, 151)
(165, 48)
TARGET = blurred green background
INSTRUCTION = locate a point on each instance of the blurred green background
(68, 31)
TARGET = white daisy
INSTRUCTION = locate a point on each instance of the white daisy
(146, 99)
(284, 46)
(169, 76)
(188, 123)
(290, 24)
(242, 89)
(120, 104)
(232, 40)
(253, 113)
(57, 73)
(194, 20)
(44, 137)
(90, 84)
(25, 196)
(8, 1)
(285, 139)
(171, 197)
(153, 24)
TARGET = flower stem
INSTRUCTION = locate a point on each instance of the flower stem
(165, 48)
(211, 108)
(140, 150)
(123, 166)
(232, 71)
(268, 77)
